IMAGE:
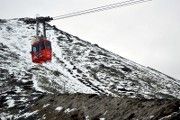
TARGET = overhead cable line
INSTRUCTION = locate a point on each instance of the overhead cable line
(101, 8)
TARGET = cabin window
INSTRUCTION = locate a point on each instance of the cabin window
(35, 48)
(48, 45)
(41, 46)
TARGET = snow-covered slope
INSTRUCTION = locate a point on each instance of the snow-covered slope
(77, 66)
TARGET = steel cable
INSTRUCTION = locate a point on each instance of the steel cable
(101, 8)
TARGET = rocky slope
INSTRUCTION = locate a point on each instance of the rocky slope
(77, 66)
(94, 107)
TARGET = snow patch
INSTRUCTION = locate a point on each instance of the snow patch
(68, 110)
(101, 118)
(5, 116)
(87, 117)
(29, 114)
(45, 105)
(18, 89)
(59, 108)
(44, 117)
(10, 102)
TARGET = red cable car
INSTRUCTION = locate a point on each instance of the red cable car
(41, 51)
(41, 47)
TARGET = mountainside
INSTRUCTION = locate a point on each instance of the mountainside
(77, 67)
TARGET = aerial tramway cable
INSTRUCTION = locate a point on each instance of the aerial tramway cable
(101, 8)
(92, 10)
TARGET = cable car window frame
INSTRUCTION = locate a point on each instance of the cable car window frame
(35, 48)
(41, 45)
(48, 45)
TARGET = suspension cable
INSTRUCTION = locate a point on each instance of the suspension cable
(101, 8)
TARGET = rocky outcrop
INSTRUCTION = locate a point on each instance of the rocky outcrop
(97, 107)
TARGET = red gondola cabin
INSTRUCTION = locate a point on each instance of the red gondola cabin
(41, 47)
(41, 51)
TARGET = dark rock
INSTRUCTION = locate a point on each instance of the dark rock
(126, 69)
(56, 73)
(2, 101)
(79, 71)
(11, 92)
(3, 21)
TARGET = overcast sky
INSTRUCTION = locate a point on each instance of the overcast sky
(147, 33)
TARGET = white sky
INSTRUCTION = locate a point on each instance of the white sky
(147, 33)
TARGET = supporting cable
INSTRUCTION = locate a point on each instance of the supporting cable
(101, 8)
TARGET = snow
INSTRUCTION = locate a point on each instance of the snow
(10, 102)
(27, 114)
(35, 84)
(152, 116)
(54, 65)
(101, 118)
(59, 108)
(18, 89)
(23, 99)
(44, 117)
(68, 110)
(87, 117)
(5, 116)
(45, 105)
